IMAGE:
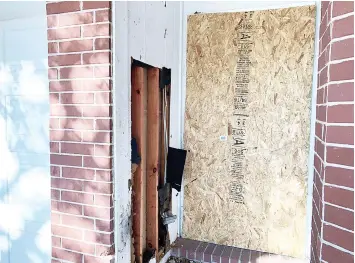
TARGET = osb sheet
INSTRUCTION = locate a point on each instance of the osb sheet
(247, 125)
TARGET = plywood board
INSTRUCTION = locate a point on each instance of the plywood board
(247, 126)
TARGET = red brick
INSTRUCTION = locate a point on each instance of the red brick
(96, 30)
(338, 155)
(63, 7)
(343, 49)
(245, 256)
(61, 135)
(55, 194)
(103, 200)
(339, 237)
(97, 58)
(97, 137)
(104, 176)
(102, 43)
(340, 217)
(200, 250)
(92, 259)
(76, 46)
(65, 85)
(61, 183)
(343, 27)
(75, 19)
(331, 254)
(103, 15)
(96, 111)
(318, 165)
(68, 208)
(78, 247)
(102, 250)
(96, 84)
(55, 218)
(63, 33)
(103, 150)
(65, 111)
(340, 114)
(323, 59)
(77, 173)
(98, 212)
(208, 252)
(341, 71)
(96, 4)
(323, 77)
(54, 123)
(324, 24)
(77, 98)
(97, 187)
(102, 71)
(342, 7)
(340, 134)
(217, 252)
(226, 254)
(97, 162)
(325, 40)
(103, 124)
(53, 98)
(320, 96)
(76, 124)
(339, 196)
(321, 113)
(69, 232)
(67, 255)
(64, 60)
(104, 225)
(318, 183)
(78, 221)
(54, 147)
(55, 171)
(56, 241)
(52, 47)
(319, 130)
(52, 73)
(324, 8)
(66, 160)
(76, 197)
(341, 92)
(339, 176)
(76, 72)
(319, 148)
(317, 218)
(316, 199)
(52, 21)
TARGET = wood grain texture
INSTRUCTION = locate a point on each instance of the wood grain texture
(276, 50)
(153, 145)
(139, 127)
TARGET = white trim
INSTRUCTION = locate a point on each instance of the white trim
(121, 117)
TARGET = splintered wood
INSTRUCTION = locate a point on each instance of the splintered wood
(247, 126)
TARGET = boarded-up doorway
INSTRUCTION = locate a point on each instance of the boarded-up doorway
(247, 126)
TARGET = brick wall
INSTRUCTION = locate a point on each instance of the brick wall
(333, 197)
(80, 130)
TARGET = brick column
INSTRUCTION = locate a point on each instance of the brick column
(80, 130)
(333, 197)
